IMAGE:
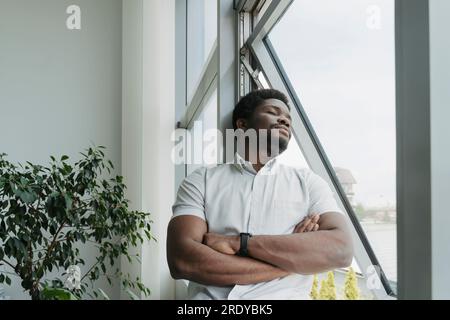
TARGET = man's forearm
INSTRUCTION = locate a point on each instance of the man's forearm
(304, 253)
(204, 265)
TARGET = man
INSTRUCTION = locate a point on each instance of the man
(256, 230)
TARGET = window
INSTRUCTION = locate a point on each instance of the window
(201, 33)
(203, 136)
(343, 69)
(336, 61)
(293, 156)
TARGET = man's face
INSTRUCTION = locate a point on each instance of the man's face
(274, 116)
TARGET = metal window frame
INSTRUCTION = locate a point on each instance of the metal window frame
(414, 174)
(267, 59)
(204, 90)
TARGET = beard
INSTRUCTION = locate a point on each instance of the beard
(277, 144)
(284, 143)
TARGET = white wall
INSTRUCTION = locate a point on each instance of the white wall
(60, 90)
(440, 146)
(148, 121)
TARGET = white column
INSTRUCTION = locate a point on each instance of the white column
(148, 121)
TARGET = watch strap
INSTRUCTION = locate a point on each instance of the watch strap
(243, 250)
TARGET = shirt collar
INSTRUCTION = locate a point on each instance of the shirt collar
(242, 165)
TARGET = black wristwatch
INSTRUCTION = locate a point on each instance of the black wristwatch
(243, 250)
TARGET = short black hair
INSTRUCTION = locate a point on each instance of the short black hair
(247, 105)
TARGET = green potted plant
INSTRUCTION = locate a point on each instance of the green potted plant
(47, 213)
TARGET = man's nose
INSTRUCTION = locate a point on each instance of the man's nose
(284, 121)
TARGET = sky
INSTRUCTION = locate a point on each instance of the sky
(340, 58)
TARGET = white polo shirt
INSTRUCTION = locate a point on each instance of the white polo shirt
(234, 198)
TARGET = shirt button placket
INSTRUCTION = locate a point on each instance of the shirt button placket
(253, 219)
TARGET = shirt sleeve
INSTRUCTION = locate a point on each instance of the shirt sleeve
(321, 198)
(191, 196)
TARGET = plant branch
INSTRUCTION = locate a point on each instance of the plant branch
(98, 261)
(90, 269)
(50, 249)
(10, 273)
(9, 264)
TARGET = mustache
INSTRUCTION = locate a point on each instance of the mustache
(279, 126)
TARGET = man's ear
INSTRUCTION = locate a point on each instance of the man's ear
(241, 124)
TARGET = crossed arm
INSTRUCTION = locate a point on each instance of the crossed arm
(210, 259)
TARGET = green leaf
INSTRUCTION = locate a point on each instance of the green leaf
(27, 284)
(7, 280)
(57, 294)
(64, 158)
(27, 197)
(68, 201)
(23, 181)
(40, 273)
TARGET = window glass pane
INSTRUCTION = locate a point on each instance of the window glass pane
(200, 37)
(293, 156)
(340, 57)
(204, 138)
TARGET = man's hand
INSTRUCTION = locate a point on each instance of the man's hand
(223, 244)
(310, 223)
(190, 259)
(331, 247)
(230, 244)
